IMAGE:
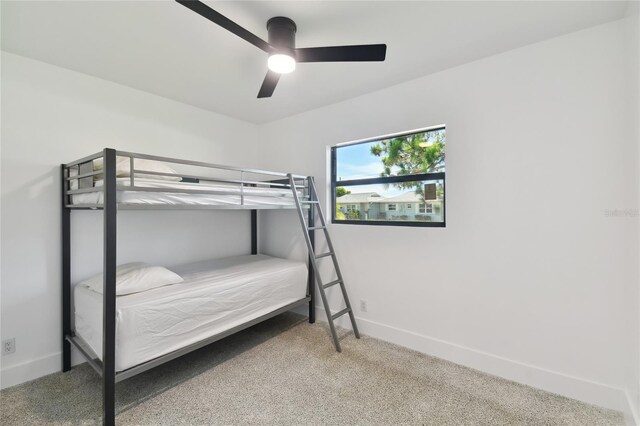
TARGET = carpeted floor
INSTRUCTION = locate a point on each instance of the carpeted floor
(285, 371)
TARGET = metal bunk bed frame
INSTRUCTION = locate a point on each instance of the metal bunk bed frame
(84, 176)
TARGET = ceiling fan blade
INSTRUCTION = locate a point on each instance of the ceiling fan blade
(363, 52)
(226, 23)
(269, 84)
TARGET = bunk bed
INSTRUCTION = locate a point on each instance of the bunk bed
(105, 332)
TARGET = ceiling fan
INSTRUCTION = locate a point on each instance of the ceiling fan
(283, 54)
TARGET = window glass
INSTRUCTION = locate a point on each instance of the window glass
(399, 180)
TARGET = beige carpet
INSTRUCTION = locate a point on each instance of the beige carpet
(285, 371)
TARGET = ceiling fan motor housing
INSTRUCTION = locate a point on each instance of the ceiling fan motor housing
(282, 34)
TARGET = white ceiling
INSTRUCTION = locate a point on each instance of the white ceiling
(163, 48)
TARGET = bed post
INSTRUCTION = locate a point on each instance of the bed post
(66, 273)
(109, 290)
(254, 232)
(311, 278)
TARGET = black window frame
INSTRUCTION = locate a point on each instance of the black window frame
(387, 179)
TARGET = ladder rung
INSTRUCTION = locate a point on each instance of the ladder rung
(324, 255)
(309, 201)
(313, 228)
(327, 285)
(341, 313)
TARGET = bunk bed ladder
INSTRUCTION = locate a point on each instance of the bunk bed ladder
(314, 204)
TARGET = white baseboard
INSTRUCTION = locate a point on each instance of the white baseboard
(34, 369)
(551, 381)
(632, 416)
(30, 370)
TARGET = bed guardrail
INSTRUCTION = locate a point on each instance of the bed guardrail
(80, 177)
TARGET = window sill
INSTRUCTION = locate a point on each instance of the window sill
(390, 223)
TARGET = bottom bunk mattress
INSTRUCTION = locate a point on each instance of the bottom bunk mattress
(216, 295)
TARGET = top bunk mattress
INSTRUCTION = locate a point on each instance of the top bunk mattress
(225, 194)
(216, 295)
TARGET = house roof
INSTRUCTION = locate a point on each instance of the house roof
(407, 197)
(362, 197)
(374, 197)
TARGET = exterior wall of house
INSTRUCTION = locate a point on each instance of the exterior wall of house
(375, 211)
(411, 211)
(403, 211)
(359, 207)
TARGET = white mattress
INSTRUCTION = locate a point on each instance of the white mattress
(216, 295)
(230, 194)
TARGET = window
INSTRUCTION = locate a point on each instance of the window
(425, 208)
(391, 174)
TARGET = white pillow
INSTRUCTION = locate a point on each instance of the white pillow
(135, 277)
(123, 168)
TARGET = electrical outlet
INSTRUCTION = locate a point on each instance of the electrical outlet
(8, 346)
(363, 305)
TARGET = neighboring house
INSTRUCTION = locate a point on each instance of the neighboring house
(356, 206)
(407, 206)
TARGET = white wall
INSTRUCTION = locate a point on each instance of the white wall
(51, 115)
(633, 46)
(531, 279)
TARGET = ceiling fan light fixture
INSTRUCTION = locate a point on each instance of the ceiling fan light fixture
(281, 63)
(281, 46)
